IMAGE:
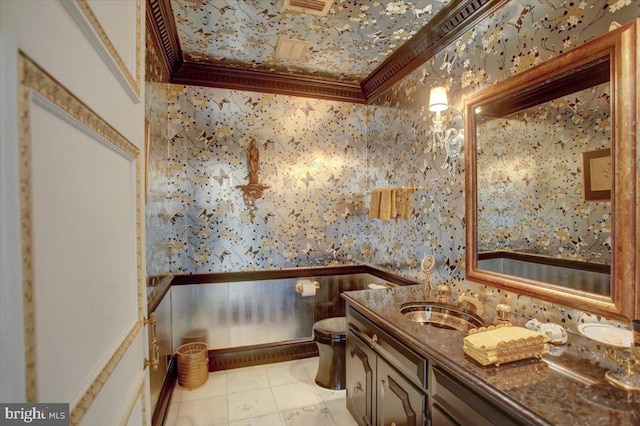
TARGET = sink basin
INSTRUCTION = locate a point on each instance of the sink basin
(441, 315)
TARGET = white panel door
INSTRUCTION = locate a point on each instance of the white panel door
(72, 292)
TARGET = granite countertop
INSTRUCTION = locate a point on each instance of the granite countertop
(566, 387)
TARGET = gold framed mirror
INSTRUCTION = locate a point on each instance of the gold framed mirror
(534, 226)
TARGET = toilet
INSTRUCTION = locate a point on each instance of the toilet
(331, 336)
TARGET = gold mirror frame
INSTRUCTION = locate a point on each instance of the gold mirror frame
(620, 46)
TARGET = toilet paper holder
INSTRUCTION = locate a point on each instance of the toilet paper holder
(299, 286)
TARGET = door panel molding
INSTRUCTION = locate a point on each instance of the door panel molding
(139, 395)
(36, 85)
(88, 22)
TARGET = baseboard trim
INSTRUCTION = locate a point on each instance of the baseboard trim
(225, 359)
(159, 415)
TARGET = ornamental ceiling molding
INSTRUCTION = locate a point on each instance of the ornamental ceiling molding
(450, 23)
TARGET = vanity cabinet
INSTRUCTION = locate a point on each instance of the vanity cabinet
(389, 383)
(453, 403)
(361, 376)
(398, 401)
(386, 381)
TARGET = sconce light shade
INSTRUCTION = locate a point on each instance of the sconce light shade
(438, 99)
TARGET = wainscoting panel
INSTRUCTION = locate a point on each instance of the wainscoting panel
(80, 195)
(113, 28)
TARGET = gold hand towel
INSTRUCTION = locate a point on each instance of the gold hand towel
(406, 203)
(374, 205)
(488, 340)
(385, 204)
(481, 357)
(394, 205)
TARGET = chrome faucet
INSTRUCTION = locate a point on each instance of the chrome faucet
(471, 303)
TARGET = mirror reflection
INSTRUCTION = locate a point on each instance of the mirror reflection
(537, 215)
(551, 179)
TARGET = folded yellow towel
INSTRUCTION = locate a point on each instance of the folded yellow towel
(493, 353)
(488, 340)
(385, 204)
(402, 200)
(394, 205)
(374, 205)
(491, 357)
(481, 357)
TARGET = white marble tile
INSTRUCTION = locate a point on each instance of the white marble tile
(172, 415)
(296, 395)
(330, 394)
(247, 379)
(251, 404)
(176, 394)
(270, 395)
(287, 372)
(310, 365)
(268, 420)
(203, 412)
(184, 422)
(216, 385)
(313, 415)
(339, 412)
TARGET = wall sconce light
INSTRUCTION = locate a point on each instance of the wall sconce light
(438, 102)
(450, 140)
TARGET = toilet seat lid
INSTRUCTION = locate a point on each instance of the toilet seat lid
(336, 326)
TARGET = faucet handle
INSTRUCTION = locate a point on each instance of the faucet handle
(503, 313)
(443, 293)
(471, 302)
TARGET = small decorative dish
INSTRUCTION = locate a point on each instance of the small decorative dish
(607, 334)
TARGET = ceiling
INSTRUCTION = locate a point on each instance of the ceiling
(355, 52)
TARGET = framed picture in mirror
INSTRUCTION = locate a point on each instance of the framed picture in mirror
(596, 175)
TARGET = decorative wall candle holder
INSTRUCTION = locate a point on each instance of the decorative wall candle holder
(254, 190)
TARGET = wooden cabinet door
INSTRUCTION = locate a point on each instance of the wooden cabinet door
(399, 402)
(440, 418)
(361, 362)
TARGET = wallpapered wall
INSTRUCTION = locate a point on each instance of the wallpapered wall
(517, 37)
(514, 39)
(312, 156)
(322, 159)
(530, 179)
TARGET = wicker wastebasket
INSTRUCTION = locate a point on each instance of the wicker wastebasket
(193, 365)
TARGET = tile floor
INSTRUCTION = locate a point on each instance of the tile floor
(275, 394)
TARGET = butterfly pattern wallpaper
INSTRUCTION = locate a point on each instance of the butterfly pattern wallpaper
(348, 44)
(312, 158)
(321, 159)
(533, 160)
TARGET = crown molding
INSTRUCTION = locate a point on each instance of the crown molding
(162, 27)
(449, 24)
(201, 74)
(455, 19)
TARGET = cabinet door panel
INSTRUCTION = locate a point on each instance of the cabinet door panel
(361, 361)
(399, 402)
(463, 405)
(440, 418)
